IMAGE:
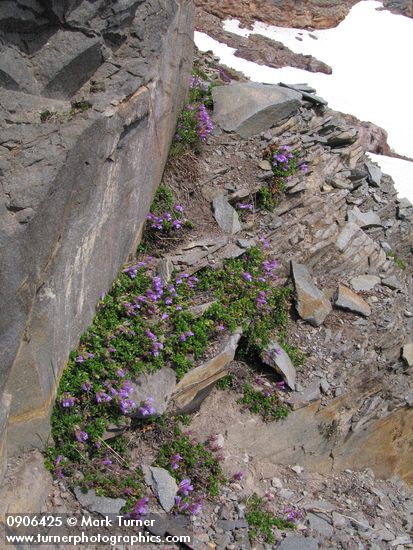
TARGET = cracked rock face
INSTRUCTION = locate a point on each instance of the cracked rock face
(90, 93)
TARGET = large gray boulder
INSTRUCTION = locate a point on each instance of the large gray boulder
(90, 95)
(249, 108)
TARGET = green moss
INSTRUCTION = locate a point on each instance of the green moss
(266, 405)
(198, 463)
(401, 264)
(261, 522)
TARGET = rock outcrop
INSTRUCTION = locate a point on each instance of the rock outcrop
(317, 14)
(90, 94)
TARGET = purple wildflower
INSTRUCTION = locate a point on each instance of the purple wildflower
(281, 385)
(106, 462)
(174, 461)
(246, 206)
(81, 436)
(86, 386)
(120, 373)
(146, 408)
(67, 400)
(80, 359)
(205, 126)
(238, 476)
(185, 487)
(179, 208)
(196, 506)
(304, 168)
(141, 507)
(180, 504)
(102, 396)
(247, 276)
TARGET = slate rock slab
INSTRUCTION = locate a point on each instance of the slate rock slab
(350, 301)
(299, 543)
(364, 219)
(250, 108)
(407, 353)
(101, 505)
(364, 283)
(158, 385)
(225, 215)
(311, 304)
(164, 486)
(374, 174)
(277, 358)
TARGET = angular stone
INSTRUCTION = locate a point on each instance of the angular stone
(79, 180)
(407, 353)
(28, 488)
(199, 310)
(319, 524)
(311, 304)
(364, 219)
(308, 395)
(249, 108)
(165, 269)
(349, 300)
(246, 243)
(66, 62)
(225, 215)
(364, 283)
(205, 375)
(294, 542)
(278, 359)
(392, 282)
(374, 173)
(164, 486)
(158, 385)
(265, 165)
(101, 505)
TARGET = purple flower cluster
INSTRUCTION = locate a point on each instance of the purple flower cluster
(146, 407)
(67, 400)
(247, 276)
(246, 206)
(168, 221)
(175, 460)
(293, 515)
(185, 487)
(81, 436)
(205, 126)
(281, 158)
(185, 335)
(140, 509)
(269, 267)
(58, 468)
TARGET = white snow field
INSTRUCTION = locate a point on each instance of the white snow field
(369, 53)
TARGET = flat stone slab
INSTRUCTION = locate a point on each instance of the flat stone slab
(407, 353)
(28, 488)
(311, 304)
(275, 357)
(308, 395)
(158, 385)
(350, 301)
(250, 108)
(374, 174)
(299, 543)
(164, 486)
(392, 282)
(364, 283)
(364, 219)
(201, 377)
(101, 505)
(225, 215)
